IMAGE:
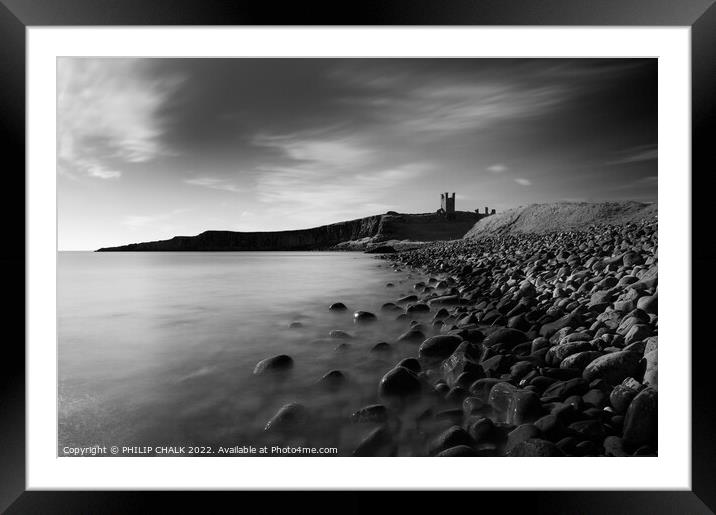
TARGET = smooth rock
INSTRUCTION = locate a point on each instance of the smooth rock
(613, 368)
(290, 417)
(399, 382)
(273, 364)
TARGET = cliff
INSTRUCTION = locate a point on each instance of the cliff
(560, 216)
(370, 230)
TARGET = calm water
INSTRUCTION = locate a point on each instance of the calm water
(159, 348)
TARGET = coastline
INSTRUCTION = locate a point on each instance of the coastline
(524, 345)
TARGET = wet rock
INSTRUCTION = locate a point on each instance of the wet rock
(535, 447)
(399, 382)
(524, 406)
(622, 394)
(472, 405)
(333, 379)
(439, 346)
(589, 429)
(381, 347)
(378, 442)
(613, 446)
(463, 363)
(337, 306)
(651, 374)
(342, 347)
(481, 430)
(451, 437)
(456, 395)
(640, 421)
(506, 337)
(482, 387)
(407, 299)
(362, 317)
(295, 325)
(556, 354)
(412, 335)
(649, 303)
(445, 300)
(501, 396)
(411, 364)
(573, 319)
(418, 308)
(551, 427)
(563, 389)
(637, 333)
(458, 451)
(371, 413)
(613, 368)
(290, 417)
(520, 434)
(273, 364)
(580, 360)
(596, 398)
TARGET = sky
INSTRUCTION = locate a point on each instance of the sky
(148, 149)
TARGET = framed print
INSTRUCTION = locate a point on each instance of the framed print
(272, 251)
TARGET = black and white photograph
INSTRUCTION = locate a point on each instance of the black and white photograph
(370, 257)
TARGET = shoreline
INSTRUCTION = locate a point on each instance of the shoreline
(536, 345)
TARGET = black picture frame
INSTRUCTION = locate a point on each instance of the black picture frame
(17, 15)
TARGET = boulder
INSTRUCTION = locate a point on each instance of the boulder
(399, 382)
(651, 374)
(613, 368)
(273, 364)
(457, 451)
(622, 394)
(451, 437)
(524, 406)
(439, 346)
(505, 336)
(535, 447)
(378, 442)
(641, 420)
(361, 317)
(290, 417)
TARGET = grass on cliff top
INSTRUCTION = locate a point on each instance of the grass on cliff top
(560, 216)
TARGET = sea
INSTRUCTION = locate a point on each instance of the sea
(158, 349)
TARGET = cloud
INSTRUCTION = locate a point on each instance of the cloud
(497, 168)
(318, 146)
(523, 182)
(214, 183)
(100, 172)
(635, 155)
(334, 174)
(140, 221)
(106, 115)
(424, 104)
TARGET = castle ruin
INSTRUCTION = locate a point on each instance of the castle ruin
(447, 207)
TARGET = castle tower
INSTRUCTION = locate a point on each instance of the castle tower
(447, 205)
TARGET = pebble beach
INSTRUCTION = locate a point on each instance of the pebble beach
(518, 345)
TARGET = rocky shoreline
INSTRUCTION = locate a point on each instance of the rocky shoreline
(524, 345)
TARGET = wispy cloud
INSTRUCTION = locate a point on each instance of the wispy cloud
(497, 168)
(635, 155)
(140, 221)
(523, 182)
(335, 173)
(433, 107)
(106, 115)
(214, 184)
